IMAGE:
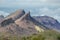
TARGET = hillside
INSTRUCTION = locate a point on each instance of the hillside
(21, 23)
(48, 22)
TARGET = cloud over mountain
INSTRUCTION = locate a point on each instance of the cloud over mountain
(4, 13)
(47, 11)
(50, 12)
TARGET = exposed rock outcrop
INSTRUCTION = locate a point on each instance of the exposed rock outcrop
(16, 14)
(7, 22)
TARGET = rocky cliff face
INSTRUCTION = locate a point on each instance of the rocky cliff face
(16, 14)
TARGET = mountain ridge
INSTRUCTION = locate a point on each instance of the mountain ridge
(48, 22)
(21, 23)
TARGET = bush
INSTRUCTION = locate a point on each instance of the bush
(47, 35)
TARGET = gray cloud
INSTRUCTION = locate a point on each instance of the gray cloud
(29, 2)
(36, 3)
(50, 12)
(4, 13)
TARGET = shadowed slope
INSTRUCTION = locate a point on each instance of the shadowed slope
(48, 22)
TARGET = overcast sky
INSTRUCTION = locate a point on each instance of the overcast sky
(46, 4)
(12, 3)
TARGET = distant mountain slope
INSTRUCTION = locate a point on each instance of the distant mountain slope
(48, 22)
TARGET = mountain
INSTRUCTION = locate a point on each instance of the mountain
(29, 23)
(48, 22)
(1, 18)
(21, 23)
(16, 15)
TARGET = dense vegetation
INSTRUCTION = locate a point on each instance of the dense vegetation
(47, 35)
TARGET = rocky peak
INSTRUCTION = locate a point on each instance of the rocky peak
(25, 17)
(17, 14)
(20, 11)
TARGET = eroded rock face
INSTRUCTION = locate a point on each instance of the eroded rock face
(16, 14)
(7, 22)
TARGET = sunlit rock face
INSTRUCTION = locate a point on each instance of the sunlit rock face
(39, 29)
(16, 14)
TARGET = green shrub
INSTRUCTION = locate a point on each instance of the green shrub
(47, 35)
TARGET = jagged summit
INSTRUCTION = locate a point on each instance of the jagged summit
(26, 21)
(20, 10)
(16, 14)
(25, 16)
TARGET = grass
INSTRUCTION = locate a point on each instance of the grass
(47, 35)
